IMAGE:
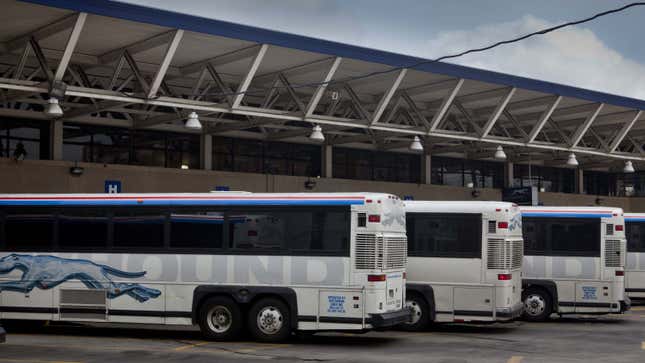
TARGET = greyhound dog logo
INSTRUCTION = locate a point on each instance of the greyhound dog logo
(46, 272)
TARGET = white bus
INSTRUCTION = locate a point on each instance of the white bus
(269, 263)
(574, 260)
(635, 266)
(465, 262)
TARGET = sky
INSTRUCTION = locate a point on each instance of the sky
(605, 55)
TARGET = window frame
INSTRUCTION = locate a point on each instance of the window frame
(641, 245)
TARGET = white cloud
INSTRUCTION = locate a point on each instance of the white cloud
(573, 56)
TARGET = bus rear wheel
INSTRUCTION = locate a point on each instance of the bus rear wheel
(420, 313)
(269, 320)
(220, 318)
(537, 305)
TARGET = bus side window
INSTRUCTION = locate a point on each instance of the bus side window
(139, 229)
(196, 229)
(635, 236)
(30, 230)
(83, 229)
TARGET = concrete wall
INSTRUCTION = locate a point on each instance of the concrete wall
(43, 176)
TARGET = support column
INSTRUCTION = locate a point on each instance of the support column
(580, 181)
(508, 174)
(326, 161)
(206, 152)
(426, 168)
(56, 140)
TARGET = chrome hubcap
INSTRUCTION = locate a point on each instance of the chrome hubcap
(269, 320)
(219, 319)
(534, 305)
(416, 311)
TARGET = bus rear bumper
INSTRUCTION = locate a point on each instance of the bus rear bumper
(388, 320)
(625, 305)
(511, 313)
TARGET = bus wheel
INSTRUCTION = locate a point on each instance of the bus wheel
(420, 313)
(269, 320)
(220, 318)
(537, 305)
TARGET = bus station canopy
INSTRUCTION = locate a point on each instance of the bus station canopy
(111, 63)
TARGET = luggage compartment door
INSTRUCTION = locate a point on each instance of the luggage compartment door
(474, 302)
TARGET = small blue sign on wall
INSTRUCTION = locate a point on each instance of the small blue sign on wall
(112, 186)
(222, 188)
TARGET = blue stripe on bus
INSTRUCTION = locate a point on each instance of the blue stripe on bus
(632, 219)
(175, 202)
(566, 215)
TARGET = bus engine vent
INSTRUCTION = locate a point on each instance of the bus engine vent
(492, 227)
(614, 253)
(505, 254)
(396, 252)
(380, 253)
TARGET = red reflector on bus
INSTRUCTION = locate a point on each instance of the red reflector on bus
(498, 209)
(374, 218)
(502, 225)
(619, 227)
(368, 201)
(620, 273)
(504, 277)
(405, 275)
(252, 233)
(375, 278)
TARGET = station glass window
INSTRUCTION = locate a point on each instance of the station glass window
(30, 136)
(462, 172)
(376, 165)
(256, 156)
(444, 235)
(557, 180)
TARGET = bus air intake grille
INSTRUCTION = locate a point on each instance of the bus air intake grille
(396, 252)
(505, 254)
(614, 253)
(367, 251)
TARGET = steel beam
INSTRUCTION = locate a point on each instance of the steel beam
(546, 115)
(165, 63)
(42, 61)
(221, 59)
(582, 129)
(137, 47)
(246, 82)
(498, 111)
(71, 45)
(292, 93)
(445, 106)
(623, 132)
(315, 98)
(387, 96)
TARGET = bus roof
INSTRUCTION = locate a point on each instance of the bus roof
(188, 199)
(571, 212)
(456, 206)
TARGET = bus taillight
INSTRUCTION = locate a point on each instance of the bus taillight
(620, 273)
(374, 218)
(619, 228)
(376, 278)
(503, 225)
(504, 277)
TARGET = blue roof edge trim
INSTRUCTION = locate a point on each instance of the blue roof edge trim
(565, 215)
(634, 219)
(227, 202)
(199, 24)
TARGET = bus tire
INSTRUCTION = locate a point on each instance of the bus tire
(220, 318)
(537, 304)
(420, 313)
(269, 320)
